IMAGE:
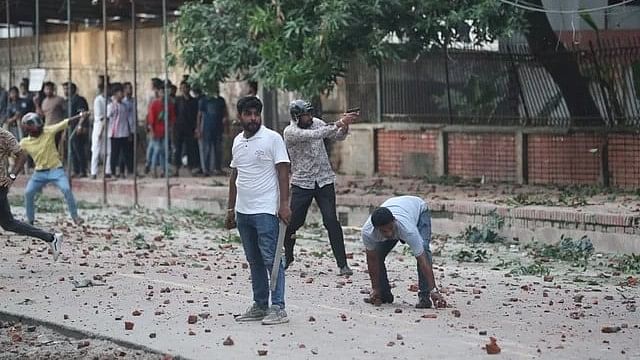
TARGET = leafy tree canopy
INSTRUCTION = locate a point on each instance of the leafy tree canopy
(305, 45)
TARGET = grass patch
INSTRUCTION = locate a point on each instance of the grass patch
(485, 233)
(468, 255)
(576, 251)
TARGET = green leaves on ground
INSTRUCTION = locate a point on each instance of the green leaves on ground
(468, 255)
(626, 263)
(485, 233)
(568, 249)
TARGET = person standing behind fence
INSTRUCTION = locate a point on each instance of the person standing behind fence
(212, 114)
(16, 107)
(80, 135)
(130, 102)
(184, 132)
(97, 136)
(155, 121)
(156, 84)
(120, 130)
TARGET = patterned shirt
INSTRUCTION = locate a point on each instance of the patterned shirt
(9, 147)
(309, 160)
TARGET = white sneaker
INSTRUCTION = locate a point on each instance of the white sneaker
(55, 245)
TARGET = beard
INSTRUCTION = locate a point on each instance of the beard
(304, 125)
(251, 127)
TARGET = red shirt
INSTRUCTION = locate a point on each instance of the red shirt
(155, 117)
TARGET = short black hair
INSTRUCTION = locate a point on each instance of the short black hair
(156, 83)
(249, 102)
(71, 86)
(49, 84)
(381, 216)
(115, 87)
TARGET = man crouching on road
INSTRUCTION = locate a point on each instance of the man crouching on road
(405, 219)
(258, 196)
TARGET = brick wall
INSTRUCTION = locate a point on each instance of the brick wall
(406, 153)
(624, 160)
(477, 155)
(563, 160)
(552, 159)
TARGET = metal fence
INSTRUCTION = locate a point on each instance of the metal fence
(506, 87)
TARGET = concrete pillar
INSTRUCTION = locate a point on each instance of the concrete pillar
(442, 144)
(522, 162)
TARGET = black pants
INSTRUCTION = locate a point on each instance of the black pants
(121, 155)
(79, 154)
(326, 199)
(10, 224)
(186, 142)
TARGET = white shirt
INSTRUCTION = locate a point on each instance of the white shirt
(99, 113)
(255, 160)
(406, 210)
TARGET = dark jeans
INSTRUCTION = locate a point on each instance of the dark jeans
(121, 155)
(211, 154)
(79, 154)
(384, 248)
(326, 199)
(10, 224)
(186, 142)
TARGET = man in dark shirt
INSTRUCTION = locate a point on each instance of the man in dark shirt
(184, 131)
(79, 134)
(212, 113)
(16, 107)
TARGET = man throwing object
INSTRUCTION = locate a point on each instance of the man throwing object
(40, 145)
(405, 219)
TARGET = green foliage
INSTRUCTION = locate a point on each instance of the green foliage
(626, 263)
(535, 269)
(168, 230)
(485, 233)
(140, 243)
(478, 255)
(567, 249)
(305, 46)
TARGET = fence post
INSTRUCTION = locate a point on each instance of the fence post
(514, 69)
(446, 70)
(522, 157)
(442, 148)
(379, 93)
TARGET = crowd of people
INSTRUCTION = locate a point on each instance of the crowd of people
(196, 126)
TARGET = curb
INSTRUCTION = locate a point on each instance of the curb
(80, 334)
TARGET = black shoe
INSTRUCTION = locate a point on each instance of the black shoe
(288, 259)
(386, 299)
(345, 271)
(424, 303)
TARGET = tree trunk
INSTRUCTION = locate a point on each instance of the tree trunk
(562, 67)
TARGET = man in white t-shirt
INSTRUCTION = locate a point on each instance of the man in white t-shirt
(258, 196)
(404, 219)
(98, 144)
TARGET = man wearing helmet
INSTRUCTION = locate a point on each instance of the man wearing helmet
(312, 176)
(9, 147)
(39, 143)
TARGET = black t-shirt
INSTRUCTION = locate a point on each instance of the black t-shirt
(186, 114)
(78, 104)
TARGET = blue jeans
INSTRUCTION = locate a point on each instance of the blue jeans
(211, 154)
(384, 248)
(259, 234)
(38, 180)
(157, 153)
